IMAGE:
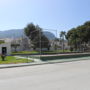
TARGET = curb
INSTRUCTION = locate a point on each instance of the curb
(34, 64)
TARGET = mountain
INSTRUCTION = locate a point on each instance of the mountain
(49, 35)
(14, 33)
(17, 33)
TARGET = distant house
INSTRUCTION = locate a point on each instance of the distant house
(14, 44)
(5, 48)
(23, 44)
(57, 45)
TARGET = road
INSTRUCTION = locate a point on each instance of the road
(60, 76)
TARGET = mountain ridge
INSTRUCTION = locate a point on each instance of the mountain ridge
(17, 33)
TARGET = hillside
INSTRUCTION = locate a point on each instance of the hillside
(17, 33)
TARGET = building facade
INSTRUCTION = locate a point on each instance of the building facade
(5, 48)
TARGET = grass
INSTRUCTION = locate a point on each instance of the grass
(26, 52)
(56, 51)
(14, 60)
(37, 52)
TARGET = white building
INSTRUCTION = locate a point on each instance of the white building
(23, 44)
(5, 48)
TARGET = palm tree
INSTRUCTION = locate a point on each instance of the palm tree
(62, 38)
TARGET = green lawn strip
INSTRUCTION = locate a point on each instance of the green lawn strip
(37, 52)
(26, 52)
(47, 58)
(14, 60)
(56, 51)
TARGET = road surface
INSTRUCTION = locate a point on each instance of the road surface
(60, 76)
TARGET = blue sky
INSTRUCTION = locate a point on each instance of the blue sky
(49, 14)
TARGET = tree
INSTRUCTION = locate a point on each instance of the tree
(15, 46)
(79, 37)
(3, 56)
(36, 36)
(30, 31)
(41, 42)
(62, 38)
(72, 37)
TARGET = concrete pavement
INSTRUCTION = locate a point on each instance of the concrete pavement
(60, 76)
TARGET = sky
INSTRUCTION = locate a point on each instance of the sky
(60, 15)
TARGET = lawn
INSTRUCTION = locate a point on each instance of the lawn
(56, 51)
(14, 60)
(37, 52)
(26, 52)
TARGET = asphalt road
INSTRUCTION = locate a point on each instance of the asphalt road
(61, 76)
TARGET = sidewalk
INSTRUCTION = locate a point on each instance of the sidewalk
(2, 66)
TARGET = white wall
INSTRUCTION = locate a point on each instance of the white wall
(8, 46)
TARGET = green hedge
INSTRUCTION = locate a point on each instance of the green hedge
(46, 58)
